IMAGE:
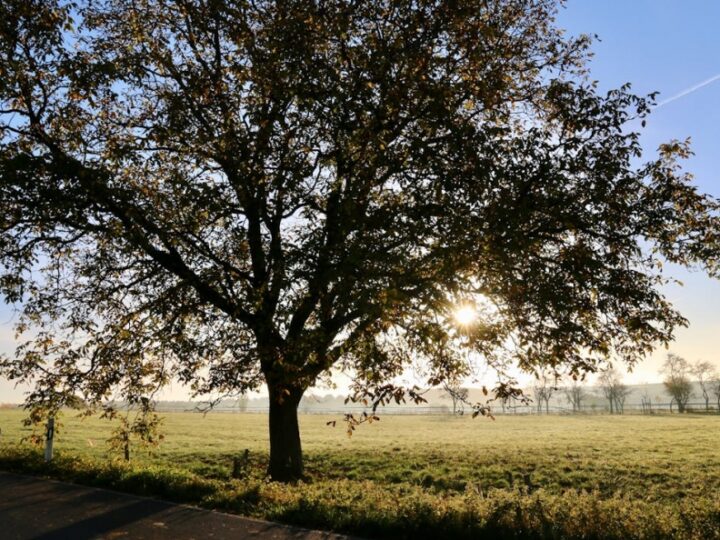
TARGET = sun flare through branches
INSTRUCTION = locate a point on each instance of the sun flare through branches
(465, 315)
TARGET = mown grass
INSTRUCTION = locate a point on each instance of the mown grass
(423, 477)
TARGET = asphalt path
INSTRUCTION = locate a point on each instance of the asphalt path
(40, 509)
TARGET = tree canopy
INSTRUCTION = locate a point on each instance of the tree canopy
(238, 193)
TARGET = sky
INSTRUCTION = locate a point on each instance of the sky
(672, 47)
(669, 46)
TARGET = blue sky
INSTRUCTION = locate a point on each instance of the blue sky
(668, 46)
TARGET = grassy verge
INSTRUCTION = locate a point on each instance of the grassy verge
(385, 511)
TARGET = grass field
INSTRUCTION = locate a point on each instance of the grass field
(424, 477)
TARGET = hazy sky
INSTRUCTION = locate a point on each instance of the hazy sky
(657, 45)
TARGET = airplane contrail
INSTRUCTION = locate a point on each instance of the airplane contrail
(690, 90)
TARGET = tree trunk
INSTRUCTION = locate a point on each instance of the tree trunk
(286, 463)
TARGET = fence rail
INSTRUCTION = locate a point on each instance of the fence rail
(631, 408)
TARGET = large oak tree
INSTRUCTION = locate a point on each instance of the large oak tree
(246, 192)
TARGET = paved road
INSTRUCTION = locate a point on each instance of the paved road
(34, 508)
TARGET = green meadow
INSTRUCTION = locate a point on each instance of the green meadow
(594, 476)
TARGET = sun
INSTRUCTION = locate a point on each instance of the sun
(465, 315)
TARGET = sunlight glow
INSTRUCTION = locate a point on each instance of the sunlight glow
(465, 315)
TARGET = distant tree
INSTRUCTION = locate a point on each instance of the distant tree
(704, 373)
(458, 395)
(613, 389)
(606, 384)
(677, 380)
(538, 397)
(575, 393)
(543, 389)
(243, 193)
(622, 391)
(646, 400)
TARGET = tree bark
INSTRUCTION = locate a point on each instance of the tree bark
(286, 463)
